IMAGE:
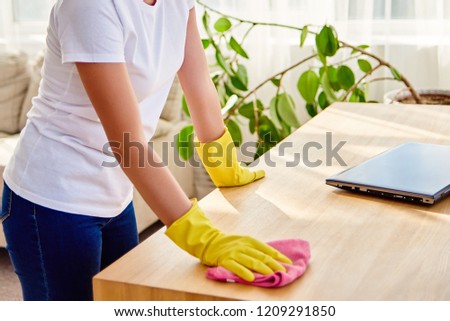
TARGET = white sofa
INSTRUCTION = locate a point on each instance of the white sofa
(19, 82)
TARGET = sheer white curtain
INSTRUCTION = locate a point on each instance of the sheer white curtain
(23, 24)
(412, 34)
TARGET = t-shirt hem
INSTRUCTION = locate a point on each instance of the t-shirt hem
(64, 207)
(106, 58)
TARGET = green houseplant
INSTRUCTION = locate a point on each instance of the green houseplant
(333, 71)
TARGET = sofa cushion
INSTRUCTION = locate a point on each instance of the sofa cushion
(7, 146)
(12, 93)
(14, 81)
(10, 113)
(12, 64)
(172, 109)
(163, 128)
(33, 89)
(12, 87)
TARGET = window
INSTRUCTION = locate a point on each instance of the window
(23, 24)
(26, 11)
(321, 11)
(1, 25)
(411, 34)
(388, 9)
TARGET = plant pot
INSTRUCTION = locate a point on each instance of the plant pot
(429, 97)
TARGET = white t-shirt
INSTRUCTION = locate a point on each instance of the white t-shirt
(58, 161)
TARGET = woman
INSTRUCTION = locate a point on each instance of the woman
(108, 68)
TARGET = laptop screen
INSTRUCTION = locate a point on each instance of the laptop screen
(412, 167)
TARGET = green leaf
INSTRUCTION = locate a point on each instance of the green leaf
(237, 48)
(252, 126)
(215, 78)
(184, 106)
(358, 96)
(282, 110)
(185, 141)
(248, 110)
(261, 150)
(238, 83)
(230, 90)
(285, 131)
(364, 65)
(276, 82)
(308, 85)
(333, 78)
(346, 77)
(267, 131)
(242, 75)
(322, 58)
(286, 110)
(222, 24)
(223, 64)
(396, 73)
(362, 97)
(364, 47)
(259, 105)
(311, 109)
(303, 35)
(221, 90)
(206, 43)
(327, 89)
(274, 114)
(327, 42)
(205, 20)
(322, 70)
(323, 101)
(235, 132)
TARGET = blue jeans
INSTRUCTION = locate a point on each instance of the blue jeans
(56, 254)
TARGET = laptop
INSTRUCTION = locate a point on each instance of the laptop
(413, 172)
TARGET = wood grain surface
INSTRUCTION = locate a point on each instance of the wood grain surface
(363, 248)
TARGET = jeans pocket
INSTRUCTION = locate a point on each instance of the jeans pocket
(6, 204)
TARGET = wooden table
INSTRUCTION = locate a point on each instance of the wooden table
(363, 248)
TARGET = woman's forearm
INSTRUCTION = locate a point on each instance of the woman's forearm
(200, 92)
(156, 184)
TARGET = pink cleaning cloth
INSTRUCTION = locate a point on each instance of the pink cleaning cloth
(297, 250)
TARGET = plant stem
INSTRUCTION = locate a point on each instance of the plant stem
(353, 57)
(281, 73)
(355, 85)
(255, 112)
(381, 79)
(248, 21)
(381, 61)
(387, 64)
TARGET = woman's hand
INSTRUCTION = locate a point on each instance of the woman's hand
(215, 148)
(241, 255)
(220, 161)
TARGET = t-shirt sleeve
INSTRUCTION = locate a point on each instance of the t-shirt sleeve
(89, 31)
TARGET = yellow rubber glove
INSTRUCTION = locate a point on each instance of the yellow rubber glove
(220, 161)
(195, 233)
